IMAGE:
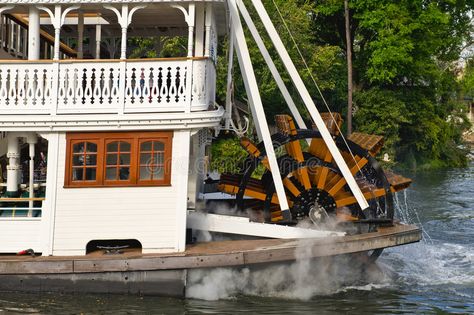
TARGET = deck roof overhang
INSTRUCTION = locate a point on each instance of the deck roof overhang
(159, 17)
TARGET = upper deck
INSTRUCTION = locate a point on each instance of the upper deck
(71, 59)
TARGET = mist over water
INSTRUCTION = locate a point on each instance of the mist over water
(434, 276)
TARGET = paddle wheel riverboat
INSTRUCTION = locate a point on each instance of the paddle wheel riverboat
(102, 154)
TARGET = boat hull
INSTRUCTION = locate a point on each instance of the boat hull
(165, 274)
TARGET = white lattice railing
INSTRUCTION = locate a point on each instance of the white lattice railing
(96, 86)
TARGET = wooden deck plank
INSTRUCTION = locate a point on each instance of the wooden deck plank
(212, 254)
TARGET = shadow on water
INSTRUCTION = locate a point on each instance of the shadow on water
(433, 276)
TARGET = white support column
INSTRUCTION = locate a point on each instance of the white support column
(124, 26)
(271, 65)
(208, 24)
(253, 94)
(124, 18)
(191, 23)
(57, 19)
(308, 101)
(189, 17)
(199, 30)
(80, 35)
(13, 167)
(33, 33)
(98, 39)
(31, 139)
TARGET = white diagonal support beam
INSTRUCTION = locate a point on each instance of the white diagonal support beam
(308, 101)
(243, 226)
(253, 94)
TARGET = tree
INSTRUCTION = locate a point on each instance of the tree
(405, 57)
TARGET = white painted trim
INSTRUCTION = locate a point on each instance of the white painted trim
(229, 92)
(48, 214)
(309, 103)
(124, 18)
(182, 186)
(104, 122)
(199, 30)
(253, 94)
(6, 8)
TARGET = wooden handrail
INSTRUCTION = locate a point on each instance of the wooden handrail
(45, 35)
(20, 199)
(102, 60)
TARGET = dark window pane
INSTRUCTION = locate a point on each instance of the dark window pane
(125, 159)
(158, 173)
(111, 173)
(158, 158)
(77, 174)
(112, 147)
(91, 147)
(111, 159)
(124, 146)
(145, 173)
(78, 147)
(145, 158)
(91, 159)
(158, 146)
(78, 160)
(145, 146)
(91, 173)
(124, 173)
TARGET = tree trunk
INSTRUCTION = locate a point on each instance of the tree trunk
(349, 68)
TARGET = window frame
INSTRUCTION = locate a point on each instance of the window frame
(101, 139)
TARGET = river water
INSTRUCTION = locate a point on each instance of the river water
(433, 276)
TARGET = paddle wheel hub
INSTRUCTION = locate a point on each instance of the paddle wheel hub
(315, 203)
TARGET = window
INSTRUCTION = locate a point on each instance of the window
(84, 161)
(118, 159)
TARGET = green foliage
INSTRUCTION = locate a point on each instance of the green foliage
(405, 63)
(375, 106)
(227, 156)
(174, 46)
(157, 47)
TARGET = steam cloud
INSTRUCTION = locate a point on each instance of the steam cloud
(302, 279)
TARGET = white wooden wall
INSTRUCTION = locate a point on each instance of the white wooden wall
(18, 234)
(152, 215)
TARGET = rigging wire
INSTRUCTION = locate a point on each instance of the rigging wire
(314, 82)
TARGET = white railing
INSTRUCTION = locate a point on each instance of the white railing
(96, 86)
